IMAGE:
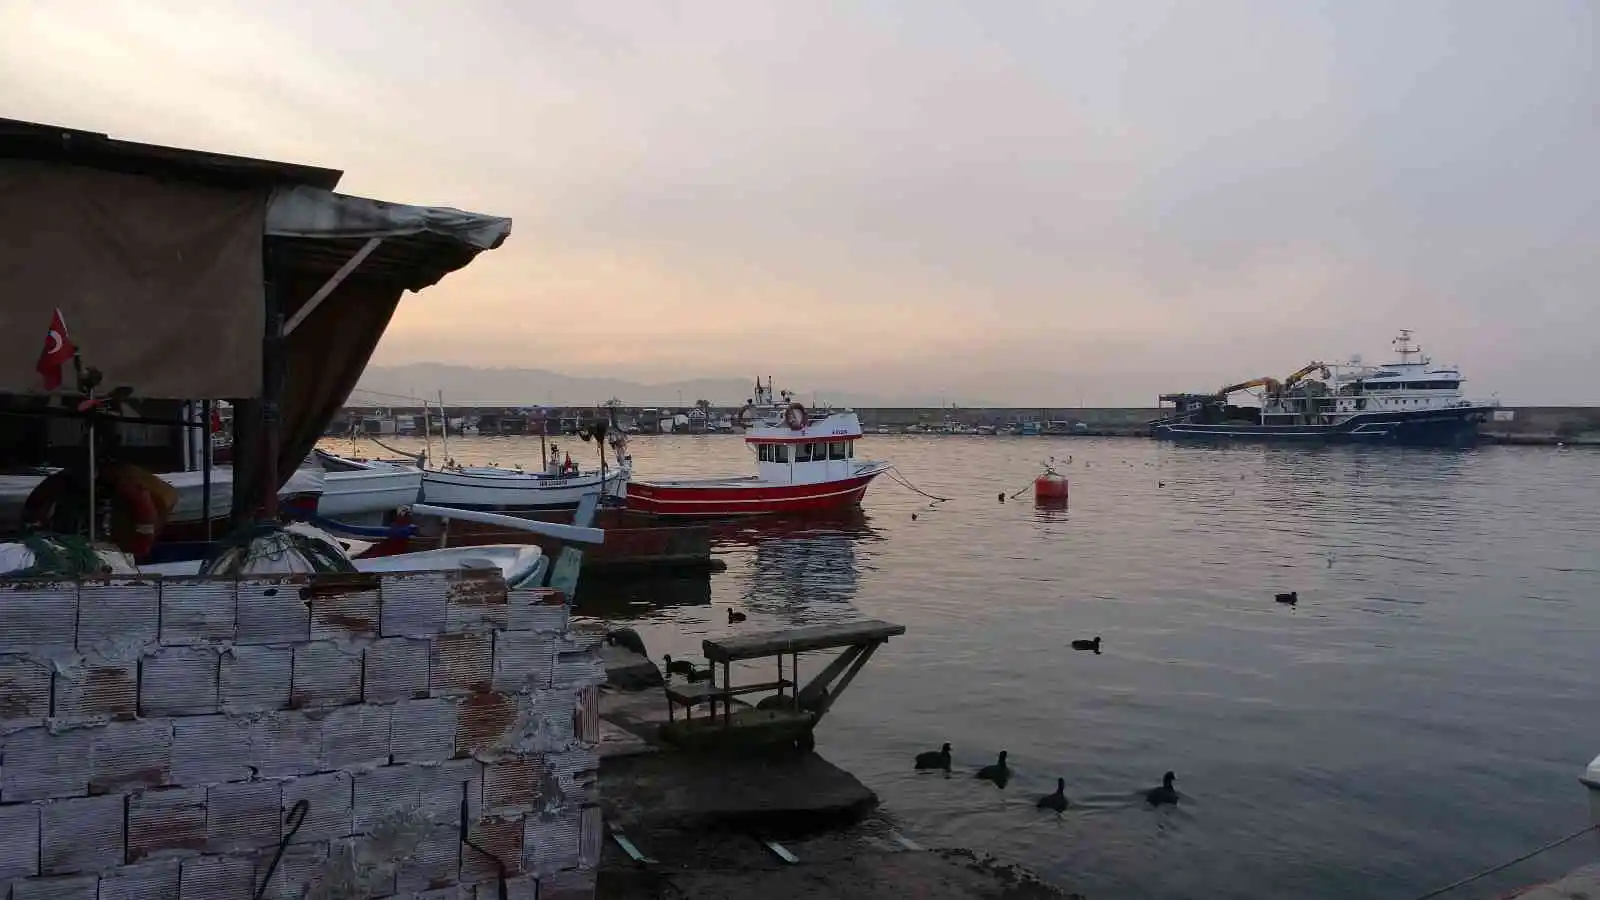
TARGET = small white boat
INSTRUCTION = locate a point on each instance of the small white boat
(354, 488)
(491, 487)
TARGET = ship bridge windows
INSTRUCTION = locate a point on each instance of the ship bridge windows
(802, 453)
(773, 453)
(839, 450)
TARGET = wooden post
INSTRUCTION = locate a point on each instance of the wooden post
(271, 387)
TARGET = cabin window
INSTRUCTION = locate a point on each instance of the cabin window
(764, 453)
(836, 450)
(802, 453)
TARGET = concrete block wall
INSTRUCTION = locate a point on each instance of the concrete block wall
(156, 736)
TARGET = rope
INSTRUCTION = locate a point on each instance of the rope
(419, 457)
(1506, 865)
(896, 476)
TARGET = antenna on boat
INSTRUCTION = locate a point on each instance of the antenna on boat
(1405, 348)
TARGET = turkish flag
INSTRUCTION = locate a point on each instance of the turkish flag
(57, 352)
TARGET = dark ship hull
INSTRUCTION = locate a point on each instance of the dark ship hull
(1449, 427)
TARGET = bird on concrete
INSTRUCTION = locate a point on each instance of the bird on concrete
(935, 759)
(1291, 598)
(999, 773)
(628, 639)
(1056, 801)
(735, 617)
(1165, 794)
(1088, 645)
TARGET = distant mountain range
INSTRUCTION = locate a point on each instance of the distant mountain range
(472, 386)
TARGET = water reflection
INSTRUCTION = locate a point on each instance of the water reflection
(636, 598)
(798, 569)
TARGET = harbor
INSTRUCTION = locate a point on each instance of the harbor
(588, 494)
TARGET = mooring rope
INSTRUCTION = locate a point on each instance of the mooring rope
(1506, 865)
(419, 457)
(899, 478)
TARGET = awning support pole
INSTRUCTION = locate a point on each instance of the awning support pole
(331, 284)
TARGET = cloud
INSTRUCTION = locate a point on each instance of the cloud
(1008, 199)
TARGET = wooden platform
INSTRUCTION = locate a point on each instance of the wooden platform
(800, 640)
(796, 715)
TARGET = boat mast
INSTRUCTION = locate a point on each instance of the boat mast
(444, 430)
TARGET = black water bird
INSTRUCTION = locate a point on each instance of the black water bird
(913, 517)
(683, 667)
(735, 617)
(628, 639)
(1056, 801)
(1164, 794)
(1290, 598)
(1002, 497)
(999, 773)
(1088, 645)
(935, 759)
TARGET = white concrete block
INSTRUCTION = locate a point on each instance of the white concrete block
(423, 731)
(325, 674)
(476, 601)
(217, 878)
(461, 663)
(131, 755)
(243, 815)
(96, 688)
(286, 743)
(355, 737)
(41, 617)
(271, 611)
(41, 765)
(179, 681)
(330, 815)
(523, 660)
(537, 609)
(413, 604)
(210, 750)
(118, 617)
(396, 669)
(70, 887)
(24, 690)
(255, 678)
(343, 608)
(148, 881)
(84, 834)
(19, 841)
(197, 611)
(166, 824)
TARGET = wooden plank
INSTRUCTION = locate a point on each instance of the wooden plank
(799, 640)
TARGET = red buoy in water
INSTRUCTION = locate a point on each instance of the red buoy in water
(1051, 487)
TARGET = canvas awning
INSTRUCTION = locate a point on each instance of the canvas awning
(166, 264)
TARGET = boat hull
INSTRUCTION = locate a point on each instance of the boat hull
(516, 491)
(1455, 427)
(746, 497)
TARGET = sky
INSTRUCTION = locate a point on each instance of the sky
(1038, 203)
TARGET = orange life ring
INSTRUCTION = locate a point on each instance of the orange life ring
(795, 417)
(137, 518)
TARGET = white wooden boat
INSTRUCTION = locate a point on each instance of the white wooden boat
(493, 488)
(357, 488)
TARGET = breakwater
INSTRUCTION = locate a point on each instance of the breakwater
(1511, 424)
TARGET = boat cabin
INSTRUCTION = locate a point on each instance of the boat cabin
(806, 458)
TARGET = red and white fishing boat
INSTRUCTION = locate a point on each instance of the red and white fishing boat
(805, 463)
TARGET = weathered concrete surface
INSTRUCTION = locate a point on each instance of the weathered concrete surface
(780, 793)
(627, 670)
(861, 863)
(1583, 884)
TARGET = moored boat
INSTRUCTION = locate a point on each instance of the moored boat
(805, 461)
(1411, 401)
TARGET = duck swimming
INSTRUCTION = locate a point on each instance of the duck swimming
(735, 617)
(935, 759)
(1056, 801)
(1088, 645)
(999, 773)
(1290, 598)
(1164, 794)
